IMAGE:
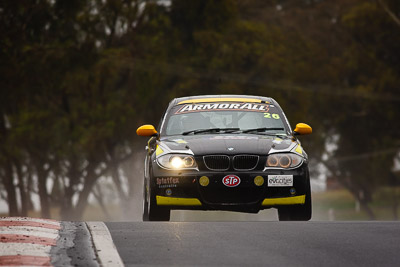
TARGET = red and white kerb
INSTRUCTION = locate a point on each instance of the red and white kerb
(27, 241)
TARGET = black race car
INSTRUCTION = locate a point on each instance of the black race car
(225, 152)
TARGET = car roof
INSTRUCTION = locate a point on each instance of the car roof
(221, 98)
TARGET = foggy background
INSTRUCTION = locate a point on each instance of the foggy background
(78, 77)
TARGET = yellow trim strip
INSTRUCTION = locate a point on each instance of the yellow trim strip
(225, 99)
(175, 201)
(284, 201)
(299, 149)
(159, 151)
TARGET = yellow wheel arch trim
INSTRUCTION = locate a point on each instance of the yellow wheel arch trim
(177, 201)
(224, 99)
(284, 201)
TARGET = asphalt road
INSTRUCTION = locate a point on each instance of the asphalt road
(258, 243)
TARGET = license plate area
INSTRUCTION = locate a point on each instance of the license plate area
(280, 180)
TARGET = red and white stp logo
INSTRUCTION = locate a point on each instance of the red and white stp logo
(231, 180)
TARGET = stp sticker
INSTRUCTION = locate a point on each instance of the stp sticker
(280, 180)
(231, 180)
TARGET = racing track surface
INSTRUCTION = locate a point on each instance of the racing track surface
(258, 243)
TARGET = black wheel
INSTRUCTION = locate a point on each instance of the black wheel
(297, 212)
(152, 212)
(145, 201)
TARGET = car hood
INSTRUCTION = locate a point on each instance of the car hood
(228, 144)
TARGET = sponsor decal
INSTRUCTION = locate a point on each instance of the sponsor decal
(223, 106)
(168, 192)
(231, 180)
(280, 180)
(167, 182)
(259, 180)
(292, 191)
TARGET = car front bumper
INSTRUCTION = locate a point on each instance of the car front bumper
(182, 189)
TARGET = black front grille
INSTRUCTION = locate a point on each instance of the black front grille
(245, 162)
(217, 162)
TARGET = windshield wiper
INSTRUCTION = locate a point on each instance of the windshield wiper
(263, 129)
(225, 130)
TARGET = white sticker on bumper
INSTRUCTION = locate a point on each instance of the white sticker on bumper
(280, 180)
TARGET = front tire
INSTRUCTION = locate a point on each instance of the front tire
(152, 212)
(297, 212)
(145, 201)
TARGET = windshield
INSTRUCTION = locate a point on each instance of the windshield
(240, 116)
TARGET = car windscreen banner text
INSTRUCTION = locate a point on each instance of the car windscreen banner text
(224, 106)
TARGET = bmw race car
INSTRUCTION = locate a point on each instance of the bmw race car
(225, 152)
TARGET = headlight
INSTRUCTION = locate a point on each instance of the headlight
(177, 161)
(283, 160)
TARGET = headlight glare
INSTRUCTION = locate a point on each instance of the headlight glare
(283, 160)
(177, 161)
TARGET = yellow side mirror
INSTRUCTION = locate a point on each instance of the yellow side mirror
(302, 129)
(146, 130)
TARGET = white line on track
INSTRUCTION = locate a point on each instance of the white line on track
(104, 245)
(26, 249)
(27, 219)
(29, 231)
